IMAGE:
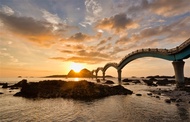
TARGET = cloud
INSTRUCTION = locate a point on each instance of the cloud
(43, 33)
(165, 8)
(78, 37)
(7, 10)
(118, 23)
(93, 9)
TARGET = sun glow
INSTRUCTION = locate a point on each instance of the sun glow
(76, 67)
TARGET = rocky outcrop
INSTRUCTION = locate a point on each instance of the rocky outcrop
(82, 73)
(109, 82)
(82, 90)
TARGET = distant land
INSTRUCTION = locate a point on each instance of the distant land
(84, 73)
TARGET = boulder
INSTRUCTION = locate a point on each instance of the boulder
(5, 85)
(109, 82)
(138, 94)
(126, 80)
(167, 100)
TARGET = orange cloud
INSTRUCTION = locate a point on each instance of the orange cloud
(117, 23)
(39, 32)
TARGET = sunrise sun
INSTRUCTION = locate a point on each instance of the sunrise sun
(76, 67)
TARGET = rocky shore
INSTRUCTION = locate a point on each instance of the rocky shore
(82, 90)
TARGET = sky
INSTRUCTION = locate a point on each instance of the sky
(47, 37)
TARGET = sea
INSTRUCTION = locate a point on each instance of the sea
(118, 108)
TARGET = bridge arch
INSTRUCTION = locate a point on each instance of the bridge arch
(97, 70)
(108, 65)
(175, 54)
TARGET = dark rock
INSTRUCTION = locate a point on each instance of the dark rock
(173, 99)
(1, 92)
(178, 100)
(148, 82)
(20, 84)
(136, 81)
(157, 96)
(82, 90)
(150, 94)
(159, 93)
(5, 85)
(165, 82)
(98, 80)
(109, 82)
(167, 100)
(138, 94)
(189, 101)
(177, 104)
(126, 80)
(11, 88)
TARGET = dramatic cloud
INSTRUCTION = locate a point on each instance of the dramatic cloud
(93, 9)
(118, 23)
(44, 33)
(162, 7)
(79, 37)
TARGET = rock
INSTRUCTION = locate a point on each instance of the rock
(136, 81)
(138, 94)
(1, 92)
(179, 100)
(150, 94)
(19, 84)
(126, 80)
(167, 100)
(157, 96)
(177, 104)
(148, 82)
(98, 80)
(82, 90)
(173, 99)
(159, 93)
(109, 82)
(5, 85)
(189, 102)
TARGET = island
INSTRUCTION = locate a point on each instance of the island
(81, 90)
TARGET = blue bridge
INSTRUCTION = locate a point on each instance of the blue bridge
(176, 55)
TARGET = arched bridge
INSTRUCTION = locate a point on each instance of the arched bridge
(175, 54)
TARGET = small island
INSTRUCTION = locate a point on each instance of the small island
(81, 90)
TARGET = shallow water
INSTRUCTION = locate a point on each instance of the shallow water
(122, 108)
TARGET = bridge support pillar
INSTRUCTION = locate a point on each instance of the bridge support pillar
(96, 75)
(103, 75)
(119, 76)
(179, 73)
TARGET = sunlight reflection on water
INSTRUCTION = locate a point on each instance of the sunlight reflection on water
(76, 79)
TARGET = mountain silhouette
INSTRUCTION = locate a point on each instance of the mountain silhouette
(83, 73)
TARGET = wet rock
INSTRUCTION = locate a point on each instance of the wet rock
(177, 104)
(98, 80)
(136, 81)
(173, 99)
(150, 94)
(157, 96)
(82, 90)
(5, 85)
(109, 82)
(179, 100)
(126, 80)
(20, 83)
(138, 94)
(167, 100)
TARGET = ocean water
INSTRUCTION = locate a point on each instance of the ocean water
(118, 108)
